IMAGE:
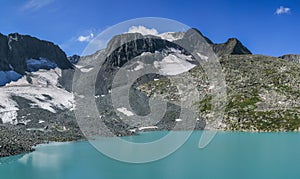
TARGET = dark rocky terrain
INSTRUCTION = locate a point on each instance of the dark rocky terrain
(16, 139)
(16, 49)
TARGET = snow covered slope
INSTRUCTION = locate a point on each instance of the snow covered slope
(174, 63)
(41, 88)
(169, 61)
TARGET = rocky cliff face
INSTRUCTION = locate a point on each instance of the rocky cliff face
(123, 48)
(16, 49)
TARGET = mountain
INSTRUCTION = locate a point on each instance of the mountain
(34, 106)
(134, 51)
(36, 66)
(22, 53)
(39, 101)
(123, 48)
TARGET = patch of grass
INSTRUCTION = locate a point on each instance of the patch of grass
(240, 101)
(205, 104)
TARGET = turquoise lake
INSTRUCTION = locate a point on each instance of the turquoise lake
(230, 155)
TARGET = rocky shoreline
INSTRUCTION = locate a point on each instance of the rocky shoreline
(17, 139)
(20, 139)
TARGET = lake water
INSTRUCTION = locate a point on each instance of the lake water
(230, 155)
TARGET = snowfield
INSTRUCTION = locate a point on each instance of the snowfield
(174, 62)
(43, 91)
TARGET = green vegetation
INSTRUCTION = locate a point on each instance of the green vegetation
(205, 104)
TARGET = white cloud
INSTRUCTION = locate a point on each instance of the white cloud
(85, 38)
(143, 30)
(170, 36)
(36, 4)
(282, 10)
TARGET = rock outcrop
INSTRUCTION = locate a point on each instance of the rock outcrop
(291, 57)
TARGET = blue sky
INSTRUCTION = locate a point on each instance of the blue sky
(254, 22)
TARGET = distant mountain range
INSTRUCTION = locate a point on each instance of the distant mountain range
(37, 100)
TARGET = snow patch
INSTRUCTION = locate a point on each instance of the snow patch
(8, 108)
(211, 87)
(203, 57)
(41, 121)
(174, 64)
(86, 70)
(23, 122)
(171, 36)
(147, 127)
(125, 111)
(140, 65)
(146, 53)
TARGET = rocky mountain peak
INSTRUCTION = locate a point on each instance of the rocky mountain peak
(231, 47)
(16, 49)
(124, 47)
(22, 53)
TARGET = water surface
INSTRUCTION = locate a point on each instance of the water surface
(230, 155)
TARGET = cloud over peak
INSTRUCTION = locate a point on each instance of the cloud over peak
(143, 30)
(85, 38)
(282, 10)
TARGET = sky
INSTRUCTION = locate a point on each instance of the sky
(269, 27)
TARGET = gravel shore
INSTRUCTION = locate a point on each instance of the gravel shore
(18, 139)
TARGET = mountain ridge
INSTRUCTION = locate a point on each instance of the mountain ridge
(16, 49)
